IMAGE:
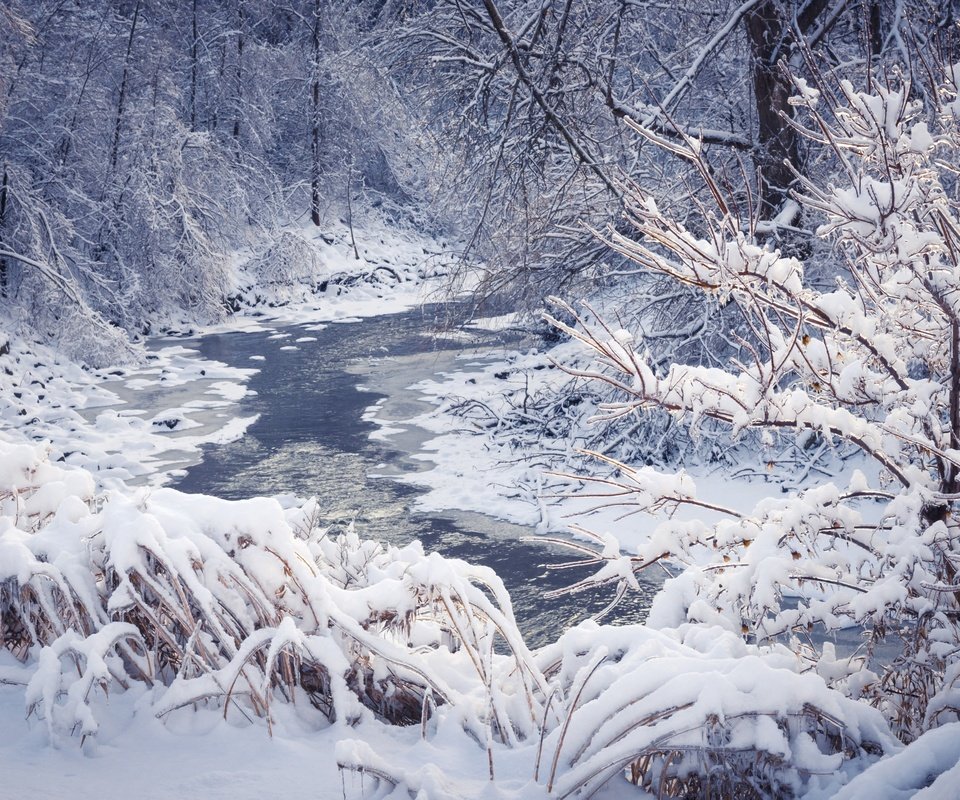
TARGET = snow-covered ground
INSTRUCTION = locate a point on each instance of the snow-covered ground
(91, 419)
(566, 719)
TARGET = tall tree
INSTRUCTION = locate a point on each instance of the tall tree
(316, 121)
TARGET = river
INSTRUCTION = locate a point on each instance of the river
(311, 440)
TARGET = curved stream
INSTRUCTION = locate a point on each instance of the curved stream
(311, 440)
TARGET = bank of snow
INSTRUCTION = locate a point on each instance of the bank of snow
(81, 419)
(331, 274)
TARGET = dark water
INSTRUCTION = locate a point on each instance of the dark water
(311, 440)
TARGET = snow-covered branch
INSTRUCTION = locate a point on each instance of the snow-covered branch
(872, 361)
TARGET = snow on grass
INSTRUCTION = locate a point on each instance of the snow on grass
(163, 632)
(927, 769)
(254, 609)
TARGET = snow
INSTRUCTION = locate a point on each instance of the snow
(469, 472)
(128, 750)
(242, 587)
(927, 769)
(94, 418)
(204, 759)
(229, 555)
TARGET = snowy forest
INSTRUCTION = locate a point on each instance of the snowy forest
(480, 398)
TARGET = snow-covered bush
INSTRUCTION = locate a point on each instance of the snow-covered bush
(187, 602)
(238, 605)
(288, 259)
(693, 712)
(872, 363)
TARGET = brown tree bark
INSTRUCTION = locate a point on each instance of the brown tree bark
(238, 99)
(776, 139)
(3, 215)
(315, 131)
(124, 80)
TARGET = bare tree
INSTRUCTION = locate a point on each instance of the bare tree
(871, 363)
(541, 92)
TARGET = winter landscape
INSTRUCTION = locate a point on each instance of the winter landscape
(480, 399)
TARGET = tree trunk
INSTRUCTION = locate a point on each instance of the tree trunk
(238, 100)
(193, 69)
(876, 28)
(776, 140)
(124, 79)
(951, 482)
(3, 214)
(315, 122)
(353, 240)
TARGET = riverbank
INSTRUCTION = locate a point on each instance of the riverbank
(491, 448)
(98, 419)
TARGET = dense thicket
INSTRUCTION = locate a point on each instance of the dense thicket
(142, 141)
(871, 363)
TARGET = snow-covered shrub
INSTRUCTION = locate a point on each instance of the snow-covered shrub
(927, 769)
(872, 363)
(693, 712)
(288, 259)
(685, 713)
(191, 602)
(71, 668)
(238, 605)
